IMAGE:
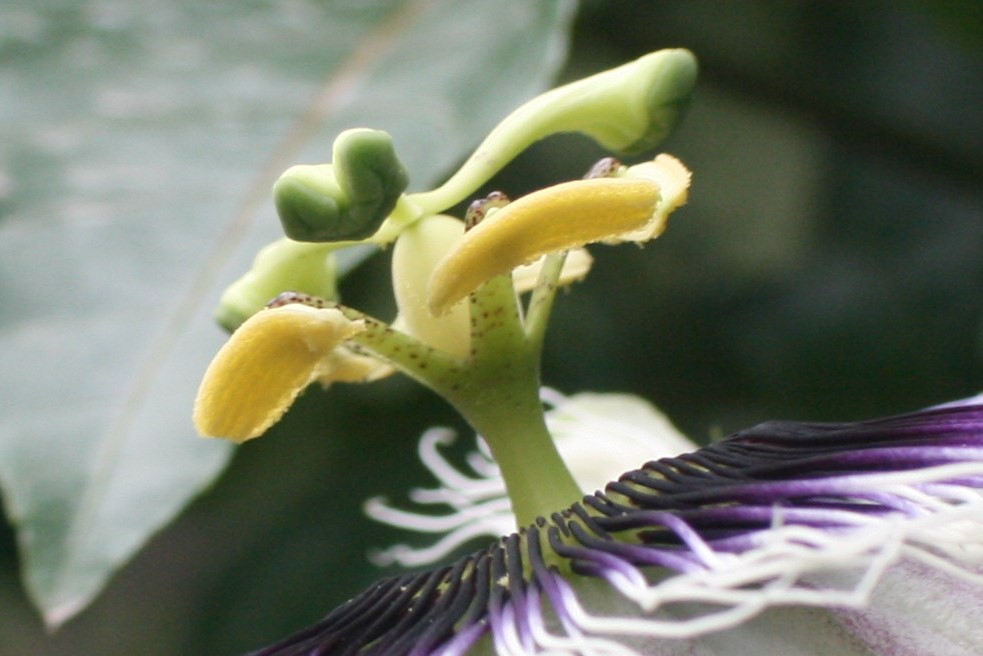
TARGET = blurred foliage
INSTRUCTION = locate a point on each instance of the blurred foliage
(140, 143)
(828, 267)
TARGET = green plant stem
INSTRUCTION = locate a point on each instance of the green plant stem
(536, 478)
(431, 367)
(501, 402)
(496, 390)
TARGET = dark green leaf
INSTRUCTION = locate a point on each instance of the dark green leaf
(140, 141)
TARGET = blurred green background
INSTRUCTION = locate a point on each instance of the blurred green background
(828, 266)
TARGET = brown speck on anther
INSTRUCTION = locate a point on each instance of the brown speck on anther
(479, 208)
(603, 168)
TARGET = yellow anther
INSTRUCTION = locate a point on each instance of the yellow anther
(264, 366)
(561, 217)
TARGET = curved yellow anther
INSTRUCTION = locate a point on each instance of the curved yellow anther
(561, 217)
(264, 366)
(673, 179)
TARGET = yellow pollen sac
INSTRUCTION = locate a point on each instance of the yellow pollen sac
(264, 366)
(673, 179)
(561, 217)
